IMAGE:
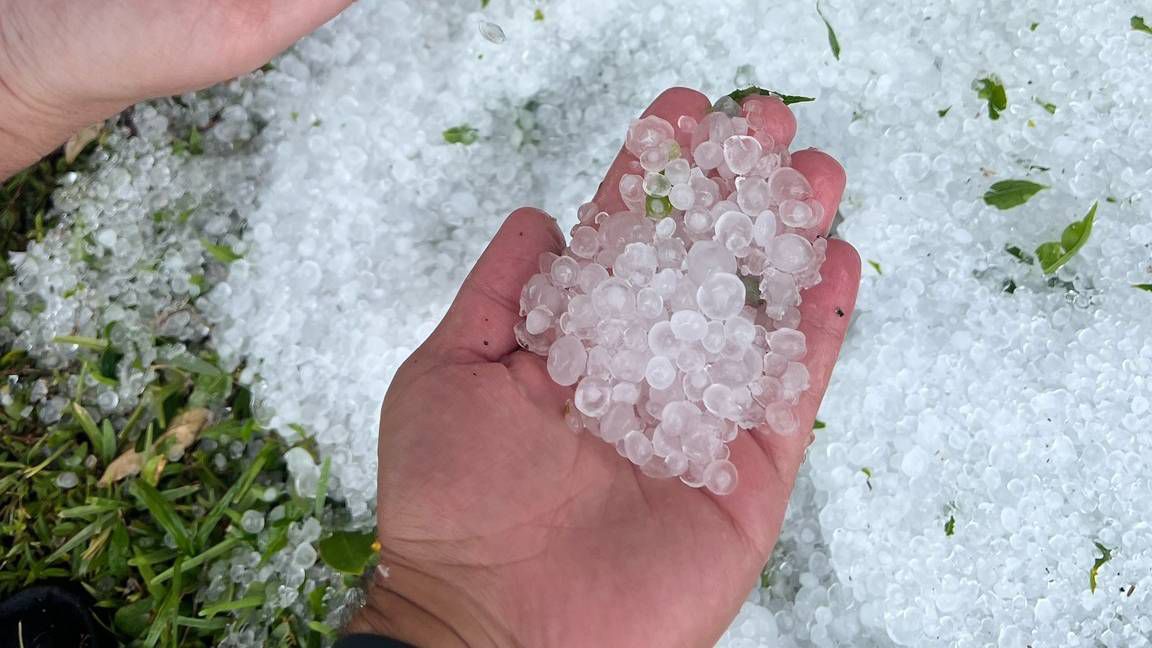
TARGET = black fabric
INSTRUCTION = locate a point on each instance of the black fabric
(51, 616)
(369, 641)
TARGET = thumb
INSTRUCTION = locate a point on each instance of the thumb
(478, 325)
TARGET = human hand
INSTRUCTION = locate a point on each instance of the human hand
(500, 526)
(65, 64)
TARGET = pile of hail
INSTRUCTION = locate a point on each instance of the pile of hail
(677, 317)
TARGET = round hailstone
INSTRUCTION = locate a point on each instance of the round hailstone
(753, 195)
(678, 171)
(741, 153)
(566, 360)
(781, 419)
(591, 276)
(787, 342)
(709, 257)
(614, 297)
(698, 221)
(791, 252)
(662, 340)
(585, 242)
(649, 303)
(708, 155)
(682, 196)
(538, 320)
(593, 396)
(660, 373)
(721, 296)
(720, 477)
(764, 229)
(632, 189)
(637, 447)
(788, 183)
(798, 214)
(688, 325)
(618, 420)
(565, 271)
(648, 133)
(657, 184)
(734, 230)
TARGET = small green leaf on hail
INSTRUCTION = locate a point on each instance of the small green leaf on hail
(876, 267)
(1105, 556)
(1050, 107)
(538, 16)
(1021, 255)
(833, 42)
(1007, 194)
(1139, 25)
(740, 95)
(1033, 26)
(819, 425)
(992, 90)
(1146, 287)
(462, 134)
(950, 525)
(1053, 255)
(944, 112)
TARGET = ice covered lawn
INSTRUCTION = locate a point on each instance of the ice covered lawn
(987, 425)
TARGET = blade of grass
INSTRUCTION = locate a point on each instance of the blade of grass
(164, 513)
(233, 494)
(250, 601)
(194, 562)
(322, 488)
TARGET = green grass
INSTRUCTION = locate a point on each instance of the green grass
(144, 546)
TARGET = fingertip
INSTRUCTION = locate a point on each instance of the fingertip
(778, 119)
(827, 178)
(678, 101)
(530, 219)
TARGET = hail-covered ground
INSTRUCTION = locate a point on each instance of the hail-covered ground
(983, 474)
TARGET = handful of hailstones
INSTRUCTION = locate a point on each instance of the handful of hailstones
(676, 318)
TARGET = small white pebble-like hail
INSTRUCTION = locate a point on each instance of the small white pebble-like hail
(677, 317)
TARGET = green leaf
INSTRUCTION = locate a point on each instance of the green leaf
(1105, 556)
(538, 16)
(484, 4)
(347, 552)
(462, 134)
(833, 42)
(107, 442)
(992, 90)
(1146, 287)
(163, 513)
(1050, 107)
(740, 95)
(1007, 194)
(196, 365)
(132, 619)
(1033, 26)
(322, 628)
(95, 436)
(192, 563)
(819, 425)
(950, 525)
(867, 472)
(944, 113)
(1054, 255)
(221, 253)
(250, 601)
(81, 341)
(1021, 255)
(1139, 25)
(875, 266)
(752, 296)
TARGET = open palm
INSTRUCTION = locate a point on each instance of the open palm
(506, 528)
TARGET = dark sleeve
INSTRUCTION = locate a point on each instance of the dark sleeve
(369, 641)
